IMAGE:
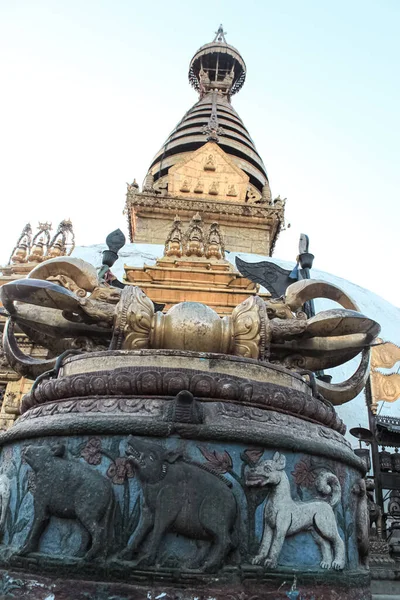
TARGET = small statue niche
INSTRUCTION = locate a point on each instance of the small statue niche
(232, 191)
(215, 247)
(195, 237)
(209, 165)
(199, 189)
(173, 244)
(185, 186)
(213, 191)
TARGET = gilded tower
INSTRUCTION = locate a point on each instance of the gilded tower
(209, 165)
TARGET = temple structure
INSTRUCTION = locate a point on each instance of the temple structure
(170, 429)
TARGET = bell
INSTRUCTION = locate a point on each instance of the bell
(385, 460)
(395, 458)
(364, 454)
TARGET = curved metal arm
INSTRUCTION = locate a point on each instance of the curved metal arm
(310, 289)
(25, 365)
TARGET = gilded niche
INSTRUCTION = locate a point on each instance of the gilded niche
(211, 172)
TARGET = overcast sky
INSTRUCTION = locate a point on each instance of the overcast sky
(90, 89)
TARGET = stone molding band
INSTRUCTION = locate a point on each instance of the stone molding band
(145, 382)
(310, 438)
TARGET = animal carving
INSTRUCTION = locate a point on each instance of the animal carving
(70, 490)
(284, 516)
(183, 498)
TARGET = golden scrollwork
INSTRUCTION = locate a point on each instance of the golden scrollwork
(133, 320)
(251, 331)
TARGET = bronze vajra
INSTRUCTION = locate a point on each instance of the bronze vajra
(62, 306)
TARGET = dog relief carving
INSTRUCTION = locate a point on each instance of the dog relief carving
(284, 516)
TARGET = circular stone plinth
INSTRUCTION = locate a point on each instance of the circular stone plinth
(164, 467)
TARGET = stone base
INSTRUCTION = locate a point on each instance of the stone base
(232, 584)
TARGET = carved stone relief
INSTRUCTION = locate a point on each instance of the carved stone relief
(181, 497)
(284, 516)
(69, 489)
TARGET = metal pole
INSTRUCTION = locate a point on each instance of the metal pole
(374, 447)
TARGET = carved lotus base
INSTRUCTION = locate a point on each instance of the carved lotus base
(136, 474)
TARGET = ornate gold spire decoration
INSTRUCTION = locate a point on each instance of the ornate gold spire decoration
(63, 241)
(195, 237)
(209, 164)
(23, 246)
(173, 243)
(215, 247)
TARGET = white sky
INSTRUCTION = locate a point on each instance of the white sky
(90, 89)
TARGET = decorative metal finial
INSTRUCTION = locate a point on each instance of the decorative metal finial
(220, 35)
(115, 241)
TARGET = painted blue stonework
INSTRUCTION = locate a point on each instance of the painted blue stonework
(107, 455)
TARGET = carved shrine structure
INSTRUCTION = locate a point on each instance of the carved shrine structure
(179, 440)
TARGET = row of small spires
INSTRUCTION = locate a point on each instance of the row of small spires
(42, 246)
(194, 241)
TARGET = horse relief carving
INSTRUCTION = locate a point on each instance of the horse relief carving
(285, 517)
(184, 498)
(70, 490)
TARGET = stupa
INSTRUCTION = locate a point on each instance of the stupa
(179, 439)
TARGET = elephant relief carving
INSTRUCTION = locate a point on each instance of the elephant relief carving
(181, 497)
(71, 490)
(285, 517)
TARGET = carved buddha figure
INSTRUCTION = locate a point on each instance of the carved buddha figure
(185, 186)
(214, 189)
(209, 165)
(231, 191)
(199, 187)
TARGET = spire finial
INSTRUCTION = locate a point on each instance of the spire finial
(220, 35)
